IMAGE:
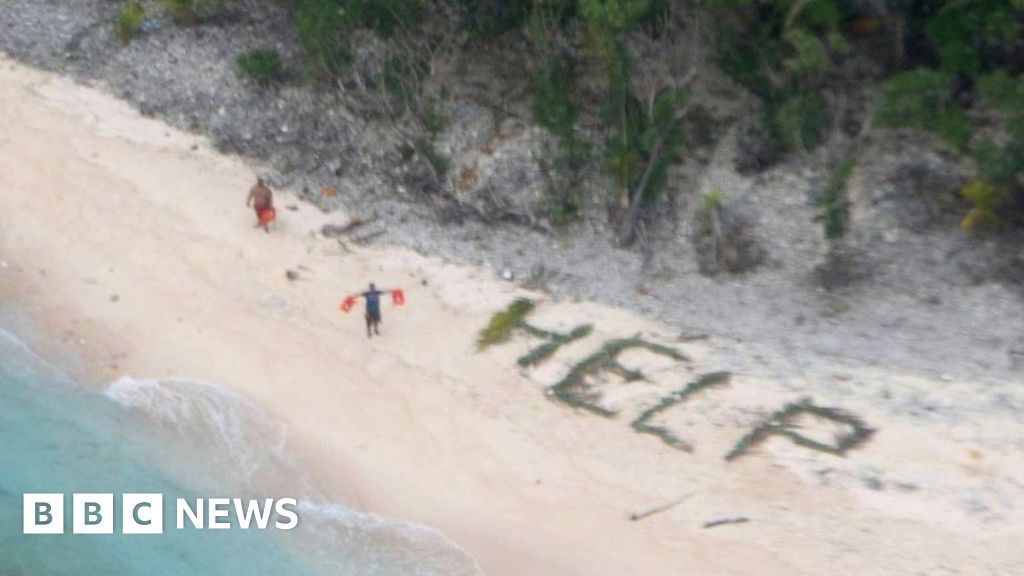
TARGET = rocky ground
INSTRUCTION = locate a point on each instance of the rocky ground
(914, 294)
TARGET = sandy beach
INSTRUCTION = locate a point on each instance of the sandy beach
(127, 244)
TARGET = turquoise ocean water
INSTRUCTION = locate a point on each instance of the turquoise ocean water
(182, 439)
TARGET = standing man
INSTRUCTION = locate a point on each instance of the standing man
(262, 201)
(373, 319)
(372, 298)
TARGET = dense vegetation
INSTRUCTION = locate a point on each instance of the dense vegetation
(950, 67)
(262, 66)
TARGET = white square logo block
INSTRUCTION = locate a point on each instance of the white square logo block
(42, 513)
(142, 513)
(92, 514)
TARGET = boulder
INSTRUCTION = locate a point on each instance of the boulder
(505, 177)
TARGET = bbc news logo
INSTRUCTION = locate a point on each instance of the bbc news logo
(144, 513)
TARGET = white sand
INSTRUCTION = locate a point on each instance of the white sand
(96, 201)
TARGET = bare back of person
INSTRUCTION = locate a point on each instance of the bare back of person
(260, 196)
(262, 201)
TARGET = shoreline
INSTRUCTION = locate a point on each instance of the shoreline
(417, 425)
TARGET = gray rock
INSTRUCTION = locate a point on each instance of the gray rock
(505, 178)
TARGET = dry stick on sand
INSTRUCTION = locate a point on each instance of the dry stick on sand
(725, 521)
(640, 515)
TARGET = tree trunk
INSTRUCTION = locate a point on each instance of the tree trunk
(627, 229)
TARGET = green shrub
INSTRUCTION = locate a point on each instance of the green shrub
(997, 195)
(129, 20)
(382, 16)
(919, 99)
(662, 138)
(438, 161)
(193, 11)
(553, 109)
(1001, 90)
(999, 165)
(796, 122)
(324, 35)
(488, 18)
(833, 206)
(808, 55)
(402, 77)
(261, 66)
(966, 34)
(550, 103)
(987, 203)
(780, 52)
(434, 120)
(746, 58)
(325, 27)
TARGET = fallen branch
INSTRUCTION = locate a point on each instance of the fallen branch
(726, 521)
(635, 516)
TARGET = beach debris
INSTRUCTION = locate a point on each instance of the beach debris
(507, 274)
(291, 275)
(726, 521)
(641, 514)
(292, 207)
(328, 191)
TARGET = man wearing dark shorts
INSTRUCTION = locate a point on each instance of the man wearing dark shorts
(373, 319)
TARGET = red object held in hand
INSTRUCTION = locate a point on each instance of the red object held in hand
(397, 297)
(348, 303)
(267, 215)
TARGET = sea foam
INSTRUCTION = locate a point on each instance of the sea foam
(255, 447)
(226, 422)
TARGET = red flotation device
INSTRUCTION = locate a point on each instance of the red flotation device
(397, 298)
(348, 303)
(267, 215)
